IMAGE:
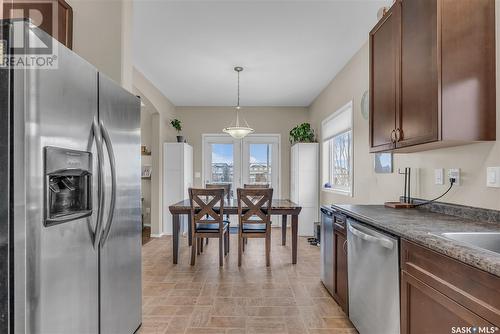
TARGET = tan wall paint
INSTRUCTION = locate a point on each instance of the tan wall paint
(102, 35)
(146, 139)
(161, 110)
(127, 63)
(199, 120)
(350, 84)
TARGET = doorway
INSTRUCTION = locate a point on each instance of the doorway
(254, 159)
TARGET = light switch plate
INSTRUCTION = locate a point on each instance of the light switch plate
(439, 176)
(197, 175)
(455, 174)
(493, 177)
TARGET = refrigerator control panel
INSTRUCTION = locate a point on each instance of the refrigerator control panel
(68, 185)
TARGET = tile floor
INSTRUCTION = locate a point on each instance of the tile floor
(283, 298)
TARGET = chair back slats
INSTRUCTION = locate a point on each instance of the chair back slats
(256, 186)
(207, 207)
(254, 205)
(225, 186)
(206, 204)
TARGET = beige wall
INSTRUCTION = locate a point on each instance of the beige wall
(102, 35)
(127, 62)
(161, 110)
(146, 139)
(199, 120)
(350, 84)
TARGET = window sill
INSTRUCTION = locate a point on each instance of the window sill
(337, 192)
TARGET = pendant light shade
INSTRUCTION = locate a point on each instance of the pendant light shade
(237, 131)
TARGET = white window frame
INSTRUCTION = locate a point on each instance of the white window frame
(240, 148)
(325, 156)
(275, 140)
(207, 140)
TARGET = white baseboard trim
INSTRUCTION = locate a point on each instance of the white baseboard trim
(159, 235)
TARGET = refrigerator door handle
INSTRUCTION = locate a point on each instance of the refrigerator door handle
(111, 155)
(100, 183)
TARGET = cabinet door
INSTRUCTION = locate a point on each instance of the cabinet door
(418, 120)
(384, 69)
(425, 310)
(474, 289)
(340, 263)
(55, 17)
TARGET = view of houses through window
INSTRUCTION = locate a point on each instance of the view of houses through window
(222, 163)
(253, 160)
(259, 167)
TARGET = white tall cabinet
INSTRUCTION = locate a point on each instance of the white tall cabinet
(304, 184)
(177, 179)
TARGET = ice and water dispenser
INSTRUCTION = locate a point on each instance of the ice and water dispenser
(68, 185)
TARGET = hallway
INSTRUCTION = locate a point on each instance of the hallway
(254, 299)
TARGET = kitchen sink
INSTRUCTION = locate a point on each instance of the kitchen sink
(485, 240)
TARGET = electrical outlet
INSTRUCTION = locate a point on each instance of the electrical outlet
(439, 176)
(454, 173)
(493, 177)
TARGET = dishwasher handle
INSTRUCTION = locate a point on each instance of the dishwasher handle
(362, 235)
(326, 212)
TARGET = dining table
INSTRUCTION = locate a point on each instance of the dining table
(281, 207)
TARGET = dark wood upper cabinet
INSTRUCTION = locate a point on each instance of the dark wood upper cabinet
(383, 86)
(55, 17)
(418, 116)
(442, 80)
(468, 69)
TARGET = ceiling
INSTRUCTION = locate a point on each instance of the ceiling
(290, 49)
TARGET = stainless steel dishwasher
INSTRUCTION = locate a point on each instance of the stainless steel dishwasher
(326, 249)
(373, 275)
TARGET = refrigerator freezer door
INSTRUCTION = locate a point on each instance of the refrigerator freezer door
(120, 251)
(60, 294)
(4, 198)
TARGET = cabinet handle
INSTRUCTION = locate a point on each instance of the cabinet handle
(344, 247)
(399, 134)
(393, 136)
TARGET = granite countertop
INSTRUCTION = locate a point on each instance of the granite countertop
(419, 225)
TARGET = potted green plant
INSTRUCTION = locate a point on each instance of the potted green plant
(177, 125)
(302, 133)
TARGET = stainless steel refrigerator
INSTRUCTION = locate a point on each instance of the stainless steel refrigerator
(70, 220)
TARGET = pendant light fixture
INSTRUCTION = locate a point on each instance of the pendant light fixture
(237, 131)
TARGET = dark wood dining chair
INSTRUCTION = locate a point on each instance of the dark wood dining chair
(256, 186)
(227, 194)
(207, 220)
(225, 186)
(254, 218)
